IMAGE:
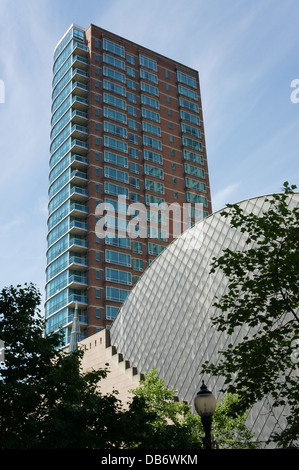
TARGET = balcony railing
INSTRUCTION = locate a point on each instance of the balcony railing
(82, 318)
(79, 174)
(77, 226)
(78, 279)
(82, 299)
(79, 146)
(78, 194)
(79, 117)
(79, 161)
(79, 242)
(80, 132)
(80, 75)
(78, 261)
(79, 62)
(78, 207)
(79, 47)
(80, 89)
(80, 103)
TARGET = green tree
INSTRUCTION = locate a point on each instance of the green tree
(46, 400)
(176, 426)
(262, 297)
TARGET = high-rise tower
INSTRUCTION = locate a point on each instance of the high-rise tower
(126, 122)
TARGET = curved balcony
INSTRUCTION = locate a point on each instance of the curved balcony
(80, 89)
(79, 162)
(80, 75)
(80, 48)
(79, 132)
(80, 62)
(79, 103)
(78, 146)
(78, 245)
(78, 227)
(78, 194)
(77, 299)
(77, 282)
(78, 210)
(77, 263)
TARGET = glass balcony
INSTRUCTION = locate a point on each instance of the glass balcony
(78, 209)
(79, 132)
(82, 319)
(77, 176)
(78, 227)
(79, 162)
(80, 62)
(78, 146)
(81, 299)
(80, 75)
(80, 103)
(78, 263)
(78, 194)
(78, 245)
(80, 48)
(76, 281)
(79, 117)
(80, 89)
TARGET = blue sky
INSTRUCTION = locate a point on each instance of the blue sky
(246, 53)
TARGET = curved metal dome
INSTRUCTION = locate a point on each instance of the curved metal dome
(165, 320)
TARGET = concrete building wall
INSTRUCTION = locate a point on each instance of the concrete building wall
(99, 354)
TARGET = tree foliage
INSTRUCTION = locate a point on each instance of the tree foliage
(262, 298)
(45, 398)
(47, 402)
(178, 425)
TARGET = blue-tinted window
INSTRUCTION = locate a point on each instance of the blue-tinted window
(113, 47)
(120, 277)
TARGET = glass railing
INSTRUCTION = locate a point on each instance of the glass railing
(80, 72)
(78, 298)
(79, 174)
(82, 318)
(79, 114)
(78, 190)
(80, 100)
(80, 46)
(80, 59)
(80, 85)
(77, 127)
(79, 242)
(78, 260)
(78, 279)
(78, 207)
(79, 158)
(78, 224)
(80, 143)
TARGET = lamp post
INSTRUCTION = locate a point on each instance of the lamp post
(205, 405)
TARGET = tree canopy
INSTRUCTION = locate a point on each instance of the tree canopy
(48, 402)
(174, 420)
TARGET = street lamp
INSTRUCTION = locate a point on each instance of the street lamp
(205, 405)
